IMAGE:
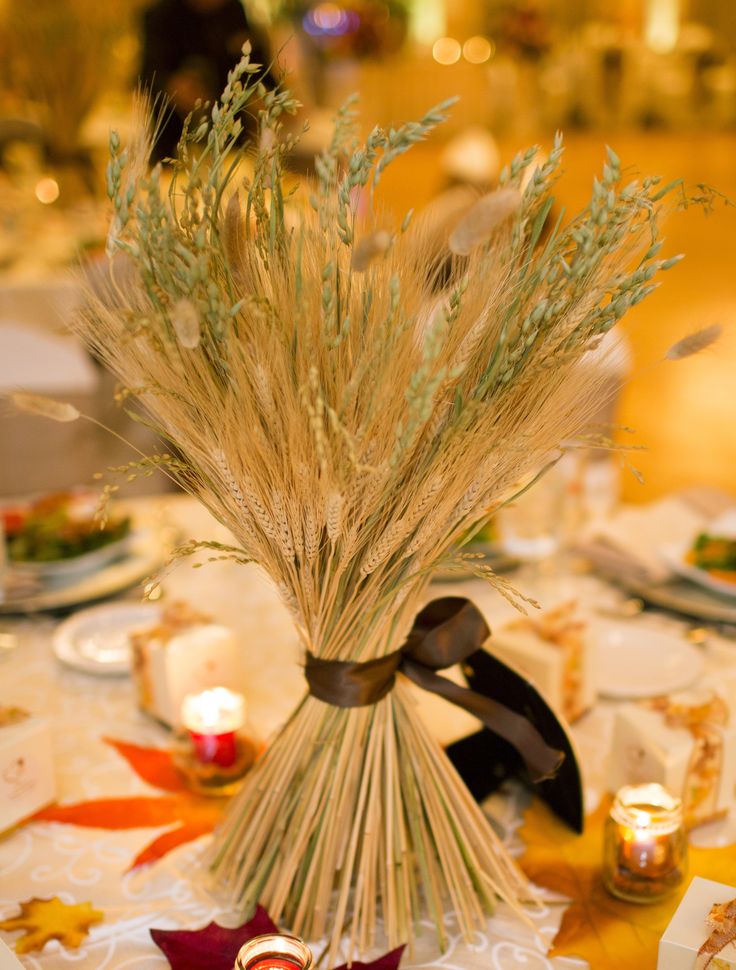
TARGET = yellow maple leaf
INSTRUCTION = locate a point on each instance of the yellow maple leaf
(607, 932)
(51, 919)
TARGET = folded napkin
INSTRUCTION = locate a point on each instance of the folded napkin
(32, 359)
(628, 544)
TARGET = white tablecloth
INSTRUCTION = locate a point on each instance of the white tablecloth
(80, 864)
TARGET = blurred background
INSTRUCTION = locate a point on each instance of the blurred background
(656, 79)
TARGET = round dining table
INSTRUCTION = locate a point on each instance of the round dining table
(98, 734)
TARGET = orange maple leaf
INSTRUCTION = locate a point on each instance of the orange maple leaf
(189, 815)
(607, 932)
(51, 919)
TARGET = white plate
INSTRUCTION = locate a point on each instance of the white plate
(59, 571)
(674, 556)
(633, 661)
(97, 640)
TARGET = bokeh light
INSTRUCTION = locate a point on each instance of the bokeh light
(478, 49)
(330, 20)
(446, 50)
(328, 16)
(47, 190)
(662, 25)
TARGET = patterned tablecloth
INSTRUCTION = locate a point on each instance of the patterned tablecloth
(88, 864)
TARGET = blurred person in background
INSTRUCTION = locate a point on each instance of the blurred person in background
(188, 48)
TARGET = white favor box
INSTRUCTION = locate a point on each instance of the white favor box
(166, 670)
(564, 677)
(646, 748)
(688, 930)
(27, 781)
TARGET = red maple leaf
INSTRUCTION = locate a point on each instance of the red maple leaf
(189, 815)
(216, 947)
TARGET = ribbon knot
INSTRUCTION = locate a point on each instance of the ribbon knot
(722, 921)
(446, 632)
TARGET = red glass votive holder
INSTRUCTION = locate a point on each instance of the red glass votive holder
(213, 718)
(215, 749)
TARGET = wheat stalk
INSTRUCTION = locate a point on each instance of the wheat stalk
(44, 407)
(695, 343)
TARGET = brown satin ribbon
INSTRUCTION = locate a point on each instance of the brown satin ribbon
(445, 632)
(722, 920)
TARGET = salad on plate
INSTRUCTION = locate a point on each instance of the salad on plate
(58, 534)
(709, 558)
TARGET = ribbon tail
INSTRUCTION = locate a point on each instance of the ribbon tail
(722, 935)
(541, 760)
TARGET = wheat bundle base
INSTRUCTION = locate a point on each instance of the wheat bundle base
(352, 399)
(404, 835)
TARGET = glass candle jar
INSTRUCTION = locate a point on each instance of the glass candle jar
(645, 844)
(213, 719)
(274, 951)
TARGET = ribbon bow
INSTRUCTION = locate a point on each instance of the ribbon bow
(704, 715)
(446, 632)
(722, 918)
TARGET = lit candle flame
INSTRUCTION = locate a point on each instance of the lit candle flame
(214, 711)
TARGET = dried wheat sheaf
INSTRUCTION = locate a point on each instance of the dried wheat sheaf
(349, 399)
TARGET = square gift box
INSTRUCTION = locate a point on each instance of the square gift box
(183, 653)
(700, 913)
(554, 651)
(684, 741)
(27, 781)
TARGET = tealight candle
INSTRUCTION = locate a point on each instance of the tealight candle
(213, 719)
(645, 848)
(275, 951)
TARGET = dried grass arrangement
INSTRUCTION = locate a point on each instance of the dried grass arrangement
(59, 59)
(349, 401)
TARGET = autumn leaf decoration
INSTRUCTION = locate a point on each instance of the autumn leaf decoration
(607, 932)
(51, 919)
(189, 815)
(216, 947)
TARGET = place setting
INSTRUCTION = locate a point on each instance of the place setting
(672, 555)
(59, 557)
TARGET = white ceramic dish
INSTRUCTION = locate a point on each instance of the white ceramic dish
(96, 640)
(674, 556)
(632, 661)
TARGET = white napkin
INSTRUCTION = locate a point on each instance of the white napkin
(724, 525)
(34, 360)
(628, 545)
(8, 960)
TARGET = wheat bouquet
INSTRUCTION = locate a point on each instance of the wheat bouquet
(350, 398)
